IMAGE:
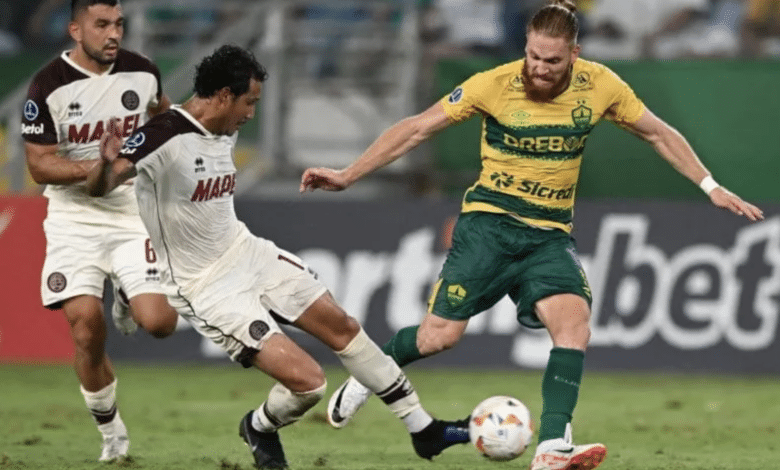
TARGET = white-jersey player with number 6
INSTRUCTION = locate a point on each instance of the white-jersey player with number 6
(89, 240)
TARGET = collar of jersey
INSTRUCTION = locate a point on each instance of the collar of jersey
(180, 110)
(81, 69)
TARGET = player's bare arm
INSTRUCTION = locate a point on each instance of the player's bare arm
(110, 171)
(47, 166)
(396, 141)
(675, 149)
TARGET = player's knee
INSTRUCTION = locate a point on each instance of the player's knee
(437, 334)
(304, 378)
(431, 343)
(88, 333)
(575, 335)
(343, 331)
(160, 326)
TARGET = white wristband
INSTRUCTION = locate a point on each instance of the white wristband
(708, 184)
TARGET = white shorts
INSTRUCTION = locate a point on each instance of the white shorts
(79, 258)
(240, 299)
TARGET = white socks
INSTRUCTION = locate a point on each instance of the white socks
(379, 373)
(284, 407)
(102, 405)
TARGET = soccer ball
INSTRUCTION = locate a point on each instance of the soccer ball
(500, 428)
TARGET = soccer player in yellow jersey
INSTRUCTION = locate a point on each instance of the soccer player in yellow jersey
(512, 236)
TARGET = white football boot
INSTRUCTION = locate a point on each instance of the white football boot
(120, 312)
(115, 440)
(346, 401)
(561, 454)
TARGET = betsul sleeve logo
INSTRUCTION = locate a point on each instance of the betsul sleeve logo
(30, 110)
(132, 143)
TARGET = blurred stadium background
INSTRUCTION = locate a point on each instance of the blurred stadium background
(678, 284)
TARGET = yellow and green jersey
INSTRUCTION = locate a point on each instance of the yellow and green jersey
(531, 152)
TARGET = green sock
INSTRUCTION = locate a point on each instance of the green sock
(403, 346)
(560, 387)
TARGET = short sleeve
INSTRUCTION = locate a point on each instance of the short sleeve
(625, 106)
(146, 150)
(38, 127)
(467, 99)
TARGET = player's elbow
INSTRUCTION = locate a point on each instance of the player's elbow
(96, 189)
(36, 174)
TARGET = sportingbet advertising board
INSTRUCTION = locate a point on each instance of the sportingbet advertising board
(678, 286)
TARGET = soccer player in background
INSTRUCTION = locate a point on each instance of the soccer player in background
(234, 287)
(87, 239)
(512, 236)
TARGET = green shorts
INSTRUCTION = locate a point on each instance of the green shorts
(493, 255)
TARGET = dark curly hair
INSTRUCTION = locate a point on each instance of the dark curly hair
(76, 6)
(229, 66)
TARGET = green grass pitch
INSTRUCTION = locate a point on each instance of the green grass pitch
(186, 417)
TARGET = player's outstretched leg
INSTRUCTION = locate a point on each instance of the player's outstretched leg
(561, 454)
(346, 401)
(120, 313)
(265, 446)
(439, 435)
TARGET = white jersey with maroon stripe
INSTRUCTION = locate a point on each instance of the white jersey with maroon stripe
(185, 184)
(69, 106)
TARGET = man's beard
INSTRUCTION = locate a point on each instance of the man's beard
(97, 56)
(543, 94)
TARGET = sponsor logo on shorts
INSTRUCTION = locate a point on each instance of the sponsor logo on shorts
(130, 100)
(152, 274)
(456, 294)
(258, 329)
(30, 110)
(56, 282)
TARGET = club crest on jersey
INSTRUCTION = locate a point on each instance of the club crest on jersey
(30, 110)
(456, 95)
(130, 100)
(581, 115)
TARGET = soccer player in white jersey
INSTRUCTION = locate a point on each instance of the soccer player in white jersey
(235, 288)
(88, 239)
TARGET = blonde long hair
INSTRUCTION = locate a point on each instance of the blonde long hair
(557, 20)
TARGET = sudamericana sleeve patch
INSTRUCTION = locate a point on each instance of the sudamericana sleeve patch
(154, 134)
